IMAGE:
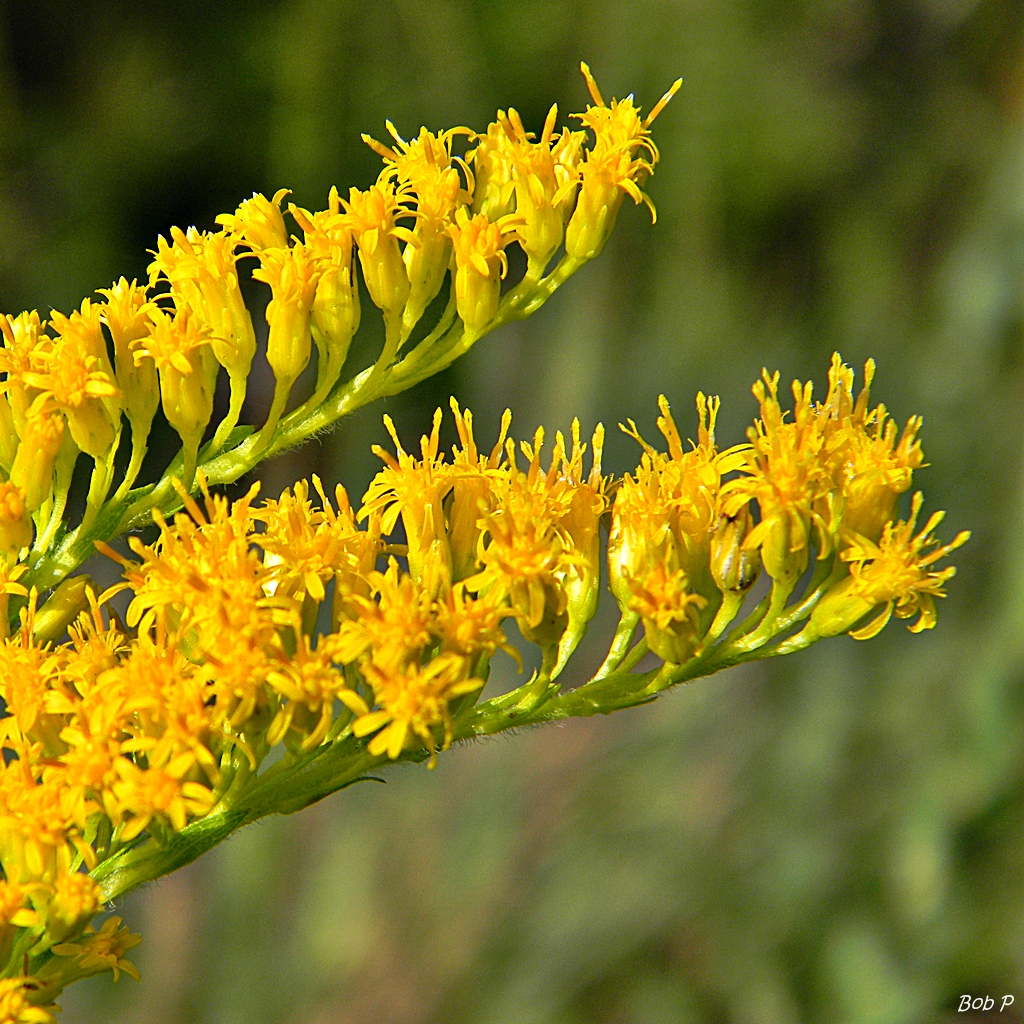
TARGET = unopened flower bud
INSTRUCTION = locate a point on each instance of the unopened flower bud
(62, 607)
(15, 523)
(785, 549)
(733, 567)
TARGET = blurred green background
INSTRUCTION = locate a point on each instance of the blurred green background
(833, 838)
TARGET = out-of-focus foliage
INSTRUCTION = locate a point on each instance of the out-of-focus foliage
(833, 838)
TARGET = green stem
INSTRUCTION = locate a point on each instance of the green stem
(235, 403)
(619, 647)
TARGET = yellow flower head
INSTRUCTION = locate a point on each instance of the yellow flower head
(335, 318)
(394, 629)
(786, 473)
(526, 549)
(492, 165)
(896, 572)
(373, 218)
(126, 314)
(258, 222)
(200, 268)
(426, 165)
(180, 347)
(24, 341)
(305, 547)
(415, 490)
(100, 951)
(159, 793)
(309, 684)
(666, 511)
(544, 186)
(481, 263)
(424, 168)
(471, 496)
(83, 331)
(42, 433)
(37, 842)
(622, 157)
(16, 1006)
(83, 390)
(414, 702)
(588, 503)
(76, 898)
(669, 611)
(471, 626)
(871, 463)
(292, 274)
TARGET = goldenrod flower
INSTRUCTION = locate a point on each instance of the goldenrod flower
(414, 701)
(305, 548)
(160, 793)
(126, 314)
(15, 1005)
(180, 347)
(896, 572)
(587, 505)
(78, 384)
(415, 490)
(622, 157)
(309, 684)
(471, 495)
(292, 275)
(335, 317)
(76, 898)
(481, 263)
(83, 332)
(424, 168)
(394, 629)
(787, 474)
(493, 192)
(871, 465)
(543, 184)
(24, 341)
(373, 218)
(258, 222)
(37, 842)
(98, 951)
(669, 611)
(526, 550)
(200, 268)
(41, 435)
(665, 512)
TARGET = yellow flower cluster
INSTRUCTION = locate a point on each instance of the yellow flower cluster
(307, 623)
(430, 212)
